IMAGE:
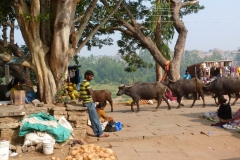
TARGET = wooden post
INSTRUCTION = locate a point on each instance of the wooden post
(7, 74)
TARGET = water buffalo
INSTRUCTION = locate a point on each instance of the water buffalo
(103, 96)
(224, 85)
(183, 87)
(142, 90)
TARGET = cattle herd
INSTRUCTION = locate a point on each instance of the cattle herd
(156, 90)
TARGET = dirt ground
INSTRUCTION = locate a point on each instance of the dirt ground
(176, 134)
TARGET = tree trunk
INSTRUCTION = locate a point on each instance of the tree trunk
(46, 83)
(158, 72)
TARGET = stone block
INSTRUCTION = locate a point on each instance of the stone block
(19, 149)
(9, 125)
(59, 112)
(73, 102)
(78, 124)
(77, 113)
(11, 119)
(12, 135)
(31, 148)
(79, 133)
(29, 105)
(24, 149)
(76, 107)
(60, 105)
(78, 118)
(40, 104)
(52, 106)
(12, 114)
(35, 110)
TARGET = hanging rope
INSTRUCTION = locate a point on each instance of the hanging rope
(166, 69)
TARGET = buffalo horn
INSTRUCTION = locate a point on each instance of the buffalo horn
(171, 80)
(131, 84)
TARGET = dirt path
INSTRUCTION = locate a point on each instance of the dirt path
(166, 135)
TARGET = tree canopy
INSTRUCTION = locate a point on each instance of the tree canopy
(151, 25)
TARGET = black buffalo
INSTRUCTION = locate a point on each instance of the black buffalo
(224, 86)
(183, 87)
(143, 90)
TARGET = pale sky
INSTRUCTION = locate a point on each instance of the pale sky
(217, 26)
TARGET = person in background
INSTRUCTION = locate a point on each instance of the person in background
(199, 74)
(225, 111)
(187, 75)
(238, 72)
(206, 78)
(104, 119)
(11, 87)
(86, 93)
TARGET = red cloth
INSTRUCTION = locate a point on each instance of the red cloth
(169, 95)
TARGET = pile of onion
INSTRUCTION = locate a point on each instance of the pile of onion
(91, 152)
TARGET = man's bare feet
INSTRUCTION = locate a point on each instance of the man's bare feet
(104, 135)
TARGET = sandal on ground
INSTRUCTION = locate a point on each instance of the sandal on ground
(79, 142)
(104, 135)
(76, 142)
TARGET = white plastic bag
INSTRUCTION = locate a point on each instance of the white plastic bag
(63, 122)
(34, 138)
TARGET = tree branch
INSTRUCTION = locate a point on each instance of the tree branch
(78, 19)
(125, 23)
(96, 29)
(85, 19)
(189, 2)
(130, 15)
(14, 48)
(5, 57)
(9, 24)
(20, 8)
(123, 31)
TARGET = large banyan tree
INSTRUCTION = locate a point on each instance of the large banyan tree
(54, 31)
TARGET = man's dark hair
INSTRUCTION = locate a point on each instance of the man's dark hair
(88, 73)
(13, 82)
(101, 104)
(223, 100)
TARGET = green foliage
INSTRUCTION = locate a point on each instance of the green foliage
(215, 56)
(37, 18)
(6, 11)
(110, 70)
(147, 18)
